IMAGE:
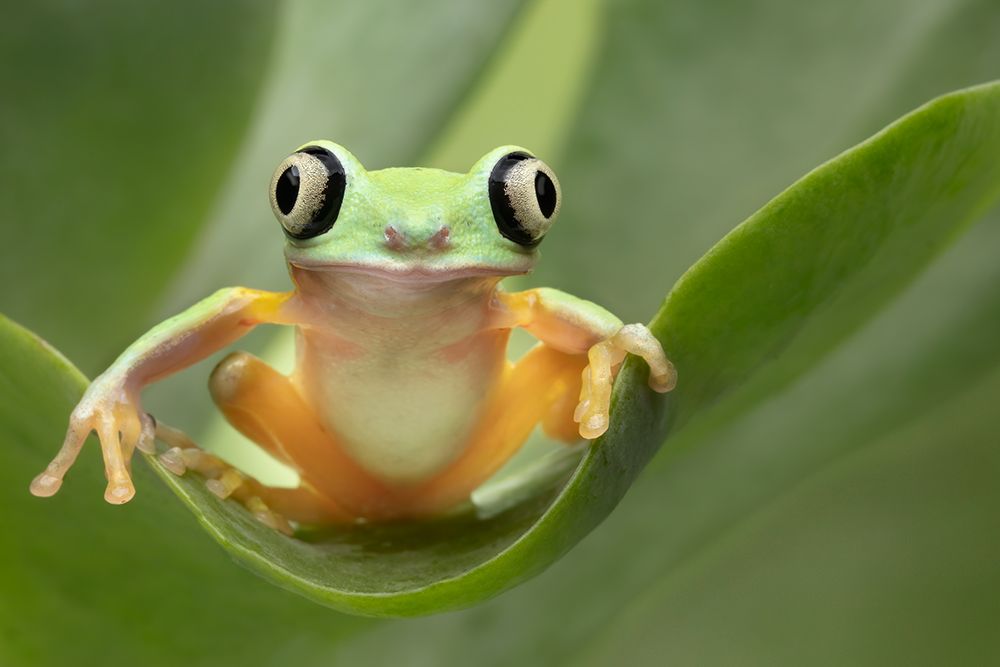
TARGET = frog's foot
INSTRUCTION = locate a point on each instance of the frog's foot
(108, 408)
(593, 410)
(222, 479)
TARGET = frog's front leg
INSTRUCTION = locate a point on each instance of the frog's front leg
(574, 325)
(111, 405)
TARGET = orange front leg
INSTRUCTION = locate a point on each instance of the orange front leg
(576, 326)
(582, 346)
(111, 404)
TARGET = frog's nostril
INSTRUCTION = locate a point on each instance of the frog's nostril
(441, 239)
(394, 238)
(397, 239)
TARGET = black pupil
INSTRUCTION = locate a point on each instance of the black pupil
(545, 192)
(287, 190)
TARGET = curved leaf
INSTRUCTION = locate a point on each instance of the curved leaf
(927, 349)
(790, 281)
(698, 113)
(886, 555)
(820, 258)
(420, 568)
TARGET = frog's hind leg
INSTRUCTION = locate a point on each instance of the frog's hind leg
(266, 407)
(223, 480)
(541, 387)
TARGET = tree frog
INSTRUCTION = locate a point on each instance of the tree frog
(402, 401)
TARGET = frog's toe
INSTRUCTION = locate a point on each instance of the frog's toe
(592, 417)
(173, 460)
(45, 485)
(226, 484)
(119, 492)
(665, 380)
(267, 516)
(594, 425)
(50, 480)
(147, 436)
(593, 410)
(221, 479)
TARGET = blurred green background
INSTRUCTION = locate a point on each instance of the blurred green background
(854, 518)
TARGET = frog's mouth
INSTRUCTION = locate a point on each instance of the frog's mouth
(410, 273)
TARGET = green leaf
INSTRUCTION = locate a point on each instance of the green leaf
(827, 250)
(115, 143)
(698, 113)
(936, 343)
(799, 275)
(875, 545)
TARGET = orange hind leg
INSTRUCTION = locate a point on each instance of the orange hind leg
(541, 387)
(265, 406)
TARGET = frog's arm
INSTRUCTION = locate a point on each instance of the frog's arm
(111, 404)
(202, 329)
(577, 326)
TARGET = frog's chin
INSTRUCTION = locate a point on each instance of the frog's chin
(413, 273)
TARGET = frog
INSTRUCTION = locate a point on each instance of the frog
(402, 401)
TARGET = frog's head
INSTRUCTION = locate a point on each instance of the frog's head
(414, 223)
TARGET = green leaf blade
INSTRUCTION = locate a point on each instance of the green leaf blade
(887, 554)
(415, 569)
(804, 271)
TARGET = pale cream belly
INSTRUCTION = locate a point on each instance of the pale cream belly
(406, 414)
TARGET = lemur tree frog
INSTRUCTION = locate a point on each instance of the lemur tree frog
(402, 400)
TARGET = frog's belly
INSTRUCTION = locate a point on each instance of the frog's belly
(403, 415)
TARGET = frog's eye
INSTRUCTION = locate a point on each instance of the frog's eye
(307, 190)
(524, 195)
